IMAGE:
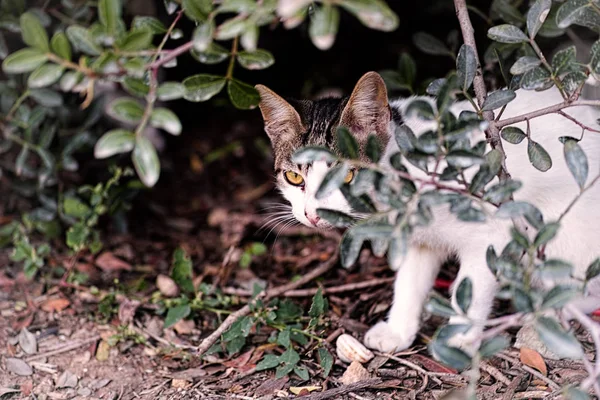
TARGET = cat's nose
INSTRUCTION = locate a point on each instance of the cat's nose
(312, 218)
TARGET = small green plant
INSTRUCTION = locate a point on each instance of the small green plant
(252, 250)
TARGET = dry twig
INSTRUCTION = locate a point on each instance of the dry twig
(64, 349)
(336, 392)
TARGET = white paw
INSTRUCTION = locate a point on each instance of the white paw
(383, 338)
(468, 342)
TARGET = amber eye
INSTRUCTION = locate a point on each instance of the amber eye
(349, 176)
(294, 178)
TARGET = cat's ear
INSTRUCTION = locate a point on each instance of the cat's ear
(367, 110)
(281, 119)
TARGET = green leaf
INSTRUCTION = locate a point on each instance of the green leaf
(422, 109)
(203, 35)
(145, 161)
(536, 78)
(573, 80)
(595, 57)
(182, 270)
(537, 15)
(502, 191)
(249, 38)
(554, 269)
(513, 135)
(33, 32)
(346, 143)
(576, 160)
(559, 296)
(289, 357)
(498, 99)
(126, 109)
(538, 156)
(507, 34)
(176, 314)
(257, 59)
(269, 361)
(61, 46)
(24, 60)
(46, 97)
(546, 234)
(45, 75)
(74, 207)
(170, 91)
(593, 270)
(231, 28)
(373, 149)
(524, 64)
(463, 158)
(148, 23)
(349, 249)
(202, 87)
(302, 373)
(492, 346)
(375, 14)
(579, 12)
(561, 343)
(317, 307)
(242, 95)
(466, 66)
(573, 393)
(197, 10)
(506, 11)
(310, 154)
(332, 180)
(514, 209)
(429, 44)
(82, 40)
(213, 55)
(283, 338)
(464, 294)
(336, 218)
(323, 27)
(521, 300)
(325, 361)
(440, 307)
(166, 119)
(139, 39)
(135, 87)
(564, 60)
(448, 355)
(114, 142)
(109, 14)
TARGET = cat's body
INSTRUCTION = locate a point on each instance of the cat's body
(578, 240)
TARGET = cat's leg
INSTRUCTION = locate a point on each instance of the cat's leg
(414, 280)
(473, 266)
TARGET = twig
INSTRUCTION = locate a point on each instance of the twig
(277, 291)
(534, 394)
(433, 375)
(336, 392)
(64, 349)
(493, 371)
(492, 133)
(311, 292)
(532, 371)
(572, 203)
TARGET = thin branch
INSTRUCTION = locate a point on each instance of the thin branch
(572, 203)
(311, 292)
(492, 133)
(337, 392)
(593, 329)
(269, 294)
(548, 110)
(553, 385)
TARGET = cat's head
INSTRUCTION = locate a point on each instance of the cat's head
(292, 125)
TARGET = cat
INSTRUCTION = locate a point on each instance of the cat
(292, 124)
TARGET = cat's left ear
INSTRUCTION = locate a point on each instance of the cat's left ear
(367, 110)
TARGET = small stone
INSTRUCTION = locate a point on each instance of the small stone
(85, 392)
(355, 373)
(167, 286)
(67, 380)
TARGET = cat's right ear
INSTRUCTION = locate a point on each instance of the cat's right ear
(281, 119)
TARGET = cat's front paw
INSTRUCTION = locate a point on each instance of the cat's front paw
(383, 338)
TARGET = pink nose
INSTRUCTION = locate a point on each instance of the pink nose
(312, 218)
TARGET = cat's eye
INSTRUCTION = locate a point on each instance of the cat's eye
(294, 178)
(349, 176)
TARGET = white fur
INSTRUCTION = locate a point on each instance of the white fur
(578, 240)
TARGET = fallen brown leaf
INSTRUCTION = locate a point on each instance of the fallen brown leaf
(432, 365)
(355, 373)
(303, 390)
(127, 310)
(18, 366)
(533, 359)
(55, 305)
(103, 351)
(240, 361)
(108, 262)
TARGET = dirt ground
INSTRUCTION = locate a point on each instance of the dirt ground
(104, 338)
